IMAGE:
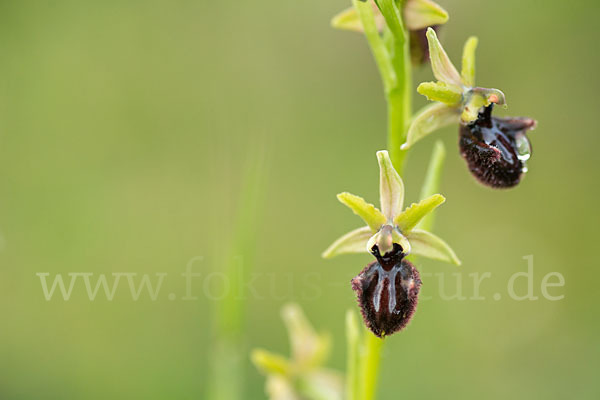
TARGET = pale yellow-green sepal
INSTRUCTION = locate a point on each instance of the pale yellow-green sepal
(347, 20)
(431, 118)
(442, 67)
(442, 92)
(419, 14)
(410, 217)
(352, 242)
(428, 245)
(391, 187)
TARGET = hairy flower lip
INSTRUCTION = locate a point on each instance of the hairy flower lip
(496, 149)
(387, 292)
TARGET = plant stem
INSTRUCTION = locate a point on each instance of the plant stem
(398, 103)
(398, 87)
(370, 366)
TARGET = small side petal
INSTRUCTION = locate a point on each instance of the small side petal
(371, 215)
(352, 242)
(410, 217)
(439, 91)
(431, 118)
(427, 244)
(468, 62)
(391, 187)
(419, 14)
(442, 67)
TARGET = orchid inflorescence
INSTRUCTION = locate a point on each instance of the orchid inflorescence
(496, 151)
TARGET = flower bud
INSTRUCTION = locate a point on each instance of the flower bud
(387, 291)
(496, 149)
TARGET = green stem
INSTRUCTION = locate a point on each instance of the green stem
(399, 98)
(370, 366)
(398, 87)
(399, 114)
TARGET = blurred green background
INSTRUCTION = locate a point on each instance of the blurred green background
(126, 131)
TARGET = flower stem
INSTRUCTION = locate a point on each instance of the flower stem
(398, 119)
(370, 366)
(398, 86)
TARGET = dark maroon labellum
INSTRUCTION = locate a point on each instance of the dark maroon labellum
(496, 148)
(387, 291)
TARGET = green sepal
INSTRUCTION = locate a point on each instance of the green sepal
(428, 245)
(353, 242)
(391, 187)
(429, 119)
(442, 67)
(349, 19)
(420, 14)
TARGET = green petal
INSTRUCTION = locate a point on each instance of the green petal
(468, 62)
(352, 242)
(431, 118)
(408, 219)
(371, 215)
(391, 187)
(442, 67)
(439, 91)
(427, 244)
(419, 14)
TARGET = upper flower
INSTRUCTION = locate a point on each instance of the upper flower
(456, 97)
(417, 15)
(391, 224)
